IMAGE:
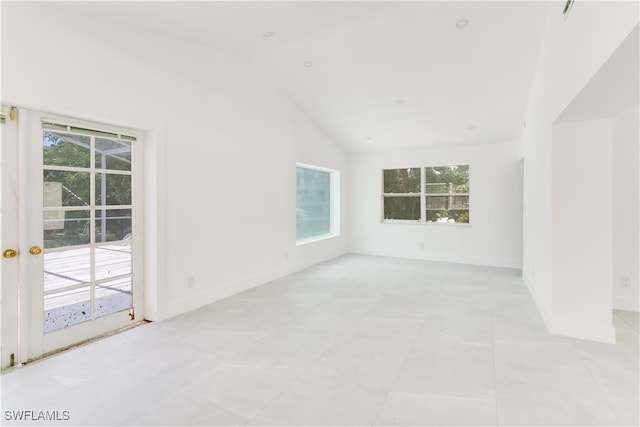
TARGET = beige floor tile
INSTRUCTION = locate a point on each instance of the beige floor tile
(402, 409)
(358, 340)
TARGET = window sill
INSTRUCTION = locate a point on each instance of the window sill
(315, 239)
(427, 223)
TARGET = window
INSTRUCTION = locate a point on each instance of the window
(317, 198)
(447, 194)
(87, 224)
(427, 194)
(402, 194)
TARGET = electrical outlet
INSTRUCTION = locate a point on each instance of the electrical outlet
(625, 282)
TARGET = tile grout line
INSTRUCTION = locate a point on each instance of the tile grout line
(493, 352)
(633, 327)
(424, 325)
(304, 369)
(604, 395)
(248, 420)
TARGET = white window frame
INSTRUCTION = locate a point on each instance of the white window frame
(419, 195)
(334, 204)
(423, 199)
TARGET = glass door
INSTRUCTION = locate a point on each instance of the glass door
(89, 231)
(82, 206)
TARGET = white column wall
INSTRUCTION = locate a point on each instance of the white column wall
(572, 52)
(626, 210)
(582, 202)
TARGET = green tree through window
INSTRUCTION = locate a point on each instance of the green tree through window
(443, 198)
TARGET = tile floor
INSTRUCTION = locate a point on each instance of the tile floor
(358, 340)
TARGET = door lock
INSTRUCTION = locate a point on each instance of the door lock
(35, 250)
(10, 253)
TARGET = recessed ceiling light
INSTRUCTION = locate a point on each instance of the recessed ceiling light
(462, 23)
(268, 34)
(307, 64)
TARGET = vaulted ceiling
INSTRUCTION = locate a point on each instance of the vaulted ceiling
(372, 75)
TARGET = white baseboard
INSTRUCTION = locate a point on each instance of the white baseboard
(544, 311)
(568, 327)
(626, 304)
(428, 256)
(584, 330)
(196, 301)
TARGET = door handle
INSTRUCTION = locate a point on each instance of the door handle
(10, 253)
(35, 250)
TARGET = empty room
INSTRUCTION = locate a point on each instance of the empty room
(304, 213)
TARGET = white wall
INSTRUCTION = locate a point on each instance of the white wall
(626, 210)
(220, 143)
(572, 51)
(582, 232)
(495, 234)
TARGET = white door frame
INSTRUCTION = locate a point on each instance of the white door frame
(9, 239)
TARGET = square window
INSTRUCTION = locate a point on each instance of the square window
(317, 192)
